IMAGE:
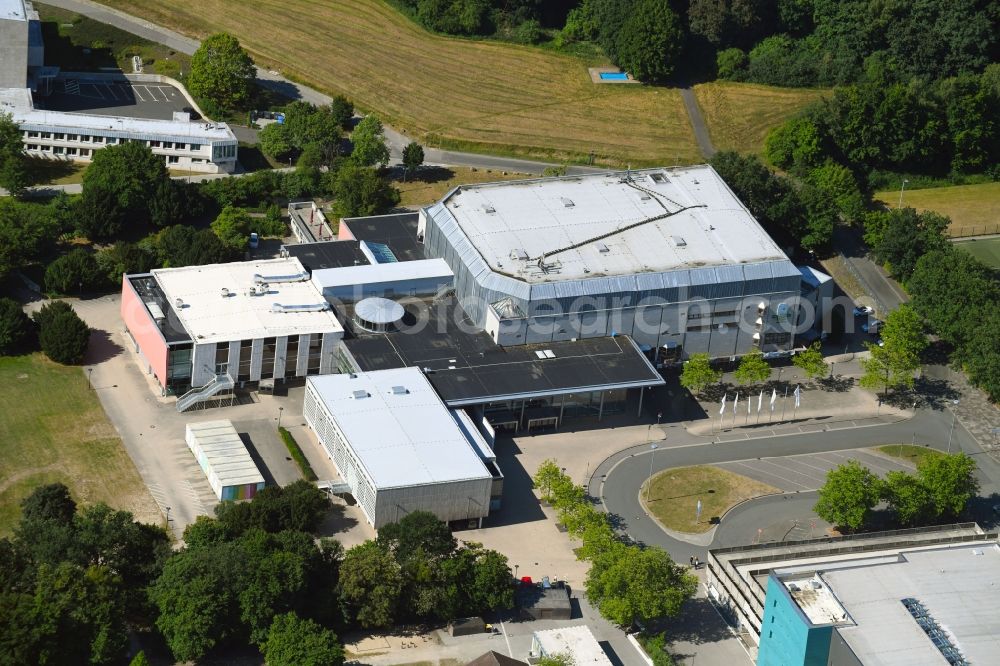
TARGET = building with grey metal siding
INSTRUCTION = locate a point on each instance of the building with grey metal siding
(667, 256)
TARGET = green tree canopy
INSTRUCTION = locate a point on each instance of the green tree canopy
(650, 41)
(370, 584)
(62, 334)
(418, 530)
(116, 260)
(73, 273)
(893, 364)
(223, 72)
(811, 362)
(413, 156)
(294, 641)
(753, 369)
(899, 237)
(183, 245)
(276, 142)
(27, 230)
(13, 162)
(638, 584)
(232, 226)
(16, 331)
(848, 496)
(118, 187)
(369, 143)
(362, 191)
(951, 481)
(908, 498)
(698, 373)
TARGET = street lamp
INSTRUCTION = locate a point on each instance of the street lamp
(90, 380)
(280, 409)
(954, 417)
(901, 188)
(168, 515)
(649, 480)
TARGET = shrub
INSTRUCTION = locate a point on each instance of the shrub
(74, 272)
(296, 453)
(15, 327)
(63, 335)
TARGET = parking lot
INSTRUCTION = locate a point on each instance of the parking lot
(808, 472)
(116, 97)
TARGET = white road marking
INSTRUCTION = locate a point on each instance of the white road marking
(135, 89)
(510, 652)
(110, 90)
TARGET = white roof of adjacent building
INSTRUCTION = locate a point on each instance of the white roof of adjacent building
(226, 454)
(288, 307)
(958, 586)
(578, 642)
(13, 10)
(363, 274)
(399, 429)
(598, 222)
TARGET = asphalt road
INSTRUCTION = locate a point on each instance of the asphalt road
(698, 125)
(626, 471)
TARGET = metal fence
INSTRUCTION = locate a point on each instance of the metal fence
(974, 230)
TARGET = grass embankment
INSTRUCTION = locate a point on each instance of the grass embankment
(53, 429)
(77, 43)
(296, 453)
(430, 184)
(446, 92)
(674, 494)
(739, 115)
(973, 209)
(986, 250)
(908, 452)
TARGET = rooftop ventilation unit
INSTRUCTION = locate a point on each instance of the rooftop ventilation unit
(545, 353)
(305, 307)
(179, 303)
(489, 209)
(156, 311)
(519, 254)
(263, 279)
(678, 241)
(658, 178)
(567, 202)
(225, 292)
(359, 395)
(602, 248)
(399, 390)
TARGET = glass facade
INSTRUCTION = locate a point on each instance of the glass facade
(553, 410)
(178, 369)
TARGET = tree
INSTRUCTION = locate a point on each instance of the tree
(222, 71)
(899, 237)
(361, 191)
(121, 258)
(182, 245)
(63, 335)
(13, 163)
(848, 496)
(343, 110)
(634, 584)
(413, 157)
(74, 272)
(698, 373)
(811, 362)
(796, 145)
(491, 588)
(893, 364)
(16, 330)
(293, 641)
(119, 186)
(276, 142)
(455, 17)
(650, 40)
(418, 530)
(139, 659)
(232, 226)
(27, 230)
(49, 502)
(950, 480)
(908, 498)
(547, 477)
(369, 143)
(370, 584)
(753, 369)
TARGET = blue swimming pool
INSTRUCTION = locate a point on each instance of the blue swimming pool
(614, 76)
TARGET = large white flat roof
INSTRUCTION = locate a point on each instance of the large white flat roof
(363, 274)
(958, 586)
(12, 10)
(579, 642)
(207, 316)
(512, 224)
(226, 454)
(399, 429)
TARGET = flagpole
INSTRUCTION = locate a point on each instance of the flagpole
(795, 406)
(784, 403)
(736, 404)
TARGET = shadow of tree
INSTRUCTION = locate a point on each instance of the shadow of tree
(837, 384)
(101, 347)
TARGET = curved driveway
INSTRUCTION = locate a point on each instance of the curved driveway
(617, 480)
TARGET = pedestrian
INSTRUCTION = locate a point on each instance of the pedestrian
(691, 560)
(697, 562)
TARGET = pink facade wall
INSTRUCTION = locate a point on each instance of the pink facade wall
(344, 232)
(145, 331)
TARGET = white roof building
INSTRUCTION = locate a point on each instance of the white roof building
(225, 460)
(398, 446)
(246, 300)
(578, 643)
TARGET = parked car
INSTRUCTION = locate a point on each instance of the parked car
(872, 327)
(254, 240)
(863, 310)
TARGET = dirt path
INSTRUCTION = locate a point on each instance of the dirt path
(698, 125)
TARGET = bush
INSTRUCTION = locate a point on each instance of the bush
(62, 334)
(74, 272)
(296, 453)
(731, 64)
(16, 330)
(528, 32)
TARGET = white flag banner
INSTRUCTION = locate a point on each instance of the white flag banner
(760, 400)
(748, 405)
(736, 403)
(798, 396)
(774, 398)
(722, 409)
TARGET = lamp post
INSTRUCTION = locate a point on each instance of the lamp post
(649, 480)
(168, 515)
(901, 188)
(954, 418)
(90, 380)
(280, 409)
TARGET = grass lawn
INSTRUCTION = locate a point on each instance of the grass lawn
(739, 115)
(986, 250)
(973, 209)
(446, 92)
(52, 428)
(908, 452)
(674, 495)
(432, 183)
(77, 43)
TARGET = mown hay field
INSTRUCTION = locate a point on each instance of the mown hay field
(452, 93)
(739, 115)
